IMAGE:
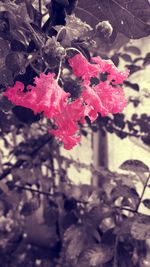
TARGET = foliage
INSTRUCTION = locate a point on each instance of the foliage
(86, 225)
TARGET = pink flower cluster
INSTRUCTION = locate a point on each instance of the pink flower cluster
(48, 97)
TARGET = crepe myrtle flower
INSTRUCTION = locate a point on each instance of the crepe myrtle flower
(47, 97)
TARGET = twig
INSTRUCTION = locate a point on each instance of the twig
(115, 253)
(60, 69)
(142, 195)
(74, 49)
(25, 188)
(40, 6)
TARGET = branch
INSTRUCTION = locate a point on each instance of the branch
(40, 6)
(142, 195)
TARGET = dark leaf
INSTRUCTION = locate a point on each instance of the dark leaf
(4, 47)
(146, 140)
(133, 49)
(15, 62)
(25, 115)
(135, 166)
(128, 17)
(119, 120)
(126, 57)
(17, 46)
(50, 213)
(63, 2)
(5, 104)
(133, 68)
(30, 207)
(115, 59)
(121, 134)
(6, 77)
(133, 86)
(147, 59)
(124, 258)
(146, 203)
(129, 195)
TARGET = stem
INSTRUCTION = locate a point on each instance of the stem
(40, 6)
(60, 69)
(36, 37)
(115, 253)
(74, 49)
(33, 190)
(142, 195)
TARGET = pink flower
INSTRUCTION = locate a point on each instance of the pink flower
(82, 68)
(46, 96)
(67, 124)
(114, 75)
(104, 99)
(93, 103)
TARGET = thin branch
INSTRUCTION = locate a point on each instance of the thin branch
(73, 49)
(115, 252)
(142, 195)
(40, 6)
(25, 188)
(60, 69)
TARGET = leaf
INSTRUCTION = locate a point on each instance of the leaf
(4, 47)
(15, 62)
(74, 241)
(133, 49)
(50, 213)
(146, 59)
(126, 57)
(128, 17)
(30, 207)
(133, 86)
(5, 104)
(115, 59)
(146, 203)
(128, 195)
(140, 231)
(133, 68)
(95, 255)
(134, 166)
(6, 77)
(63, 2)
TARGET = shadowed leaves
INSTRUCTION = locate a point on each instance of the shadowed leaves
(128, 17)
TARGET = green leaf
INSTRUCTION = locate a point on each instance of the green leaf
(134, 166)
(128, 17)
